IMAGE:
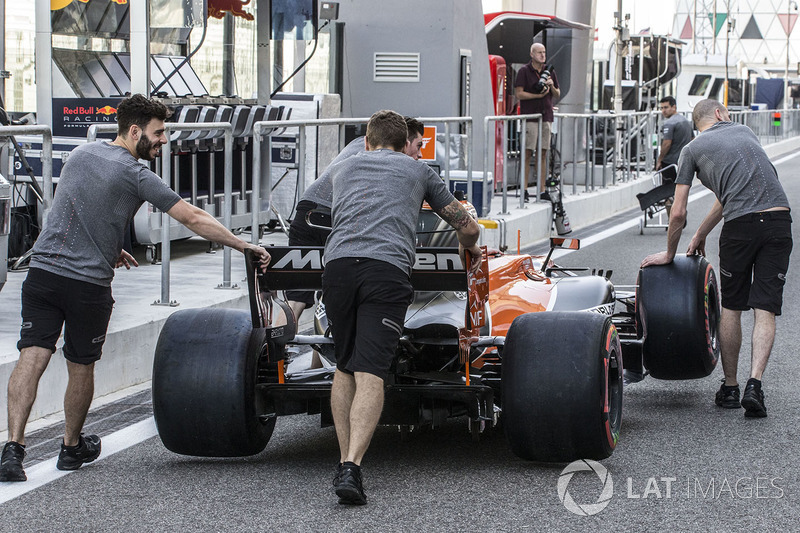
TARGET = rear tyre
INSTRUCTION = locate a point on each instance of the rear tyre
(678, 311)
(562, 386)
(204, 379)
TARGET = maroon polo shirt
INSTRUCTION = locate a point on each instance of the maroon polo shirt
(528, 78)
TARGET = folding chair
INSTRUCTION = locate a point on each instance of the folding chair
(654, 202)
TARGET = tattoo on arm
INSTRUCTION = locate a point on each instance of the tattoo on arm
(455, 215)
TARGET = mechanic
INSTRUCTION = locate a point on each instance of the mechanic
(377, 196)
(754, 245)
(320, 194)
(69, 281)
(676, 132)
(531, 101)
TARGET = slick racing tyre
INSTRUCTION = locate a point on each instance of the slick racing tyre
(678, 312)
(562, 386)
(204, 380)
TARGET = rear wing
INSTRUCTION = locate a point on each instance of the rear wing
(301, 267)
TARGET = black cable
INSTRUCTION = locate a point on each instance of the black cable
(182, 63)
(316, 40)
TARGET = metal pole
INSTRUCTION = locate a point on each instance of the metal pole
(523, 168)
(255, 196)
(575, 153)
(486, 121)
(594, 147)
(605, 151)
(587, 178)
(166, 172)
(139, 13)
(447, 154)
(47, 172)
(43, 64)
(539, 162)
(504, 140)
(786, 71)
(227, 210)
(470, 195)
(618, 86)
(301, 160)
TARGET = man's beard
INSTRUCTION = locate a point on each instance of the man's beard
(144, 148)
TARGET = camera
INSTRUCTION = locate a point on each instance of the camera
(543, 77)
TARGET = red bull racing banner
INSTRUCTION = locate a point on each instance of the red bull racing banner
(73, 116)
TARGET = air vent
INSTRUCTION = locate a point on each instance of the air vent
(401, 67)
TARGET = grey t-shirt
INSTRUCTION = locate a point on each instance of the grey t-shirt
(101, 187)
(729, 160)
(321, 192)
(677, 129)
(377, 196)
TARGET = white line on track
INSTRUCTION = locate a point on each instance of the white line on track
(622, 226)
(43, 473)
(619, 228)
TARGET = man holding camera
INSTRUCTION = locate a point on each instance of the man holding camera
(535, 88)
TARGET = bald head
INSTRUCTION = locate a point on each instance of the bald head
(538, 54)
(708, 112)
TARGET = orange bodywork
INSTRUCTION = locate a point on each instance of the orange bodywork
(516, 286)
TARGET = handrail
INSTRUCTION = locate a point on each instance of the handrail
(47, 159)
(265, 128)
(519, 119)
(166, 176)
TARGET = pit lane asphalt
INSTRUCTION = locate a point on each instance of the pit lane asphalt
(723, 471)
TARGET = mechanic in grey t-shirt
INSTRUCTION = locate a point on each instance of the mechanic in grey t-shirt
(755, 243)
(377, 196)
(102, 185)
(676, 133)
(320, 195)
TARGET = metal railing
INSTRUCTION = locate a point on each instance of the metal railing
(490, 148)
(638, 134)
(166, 176)
(771, 125)
(46, 159)
(261, 135)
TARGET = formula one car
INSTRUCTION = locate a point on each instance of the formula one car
(525, 342)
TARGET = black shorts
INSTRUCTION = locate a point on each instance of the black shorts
(50, 301)
(301, 234)
(366, 301)
(754, 254)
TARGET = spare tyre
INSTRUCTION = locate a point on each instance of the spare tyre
(678, 312)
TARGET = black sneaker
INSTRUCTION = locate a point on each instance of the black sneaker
(728, 396)
(349, 489)
(338, 475)
(11, 462)
(86, 451)
(753, 400)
